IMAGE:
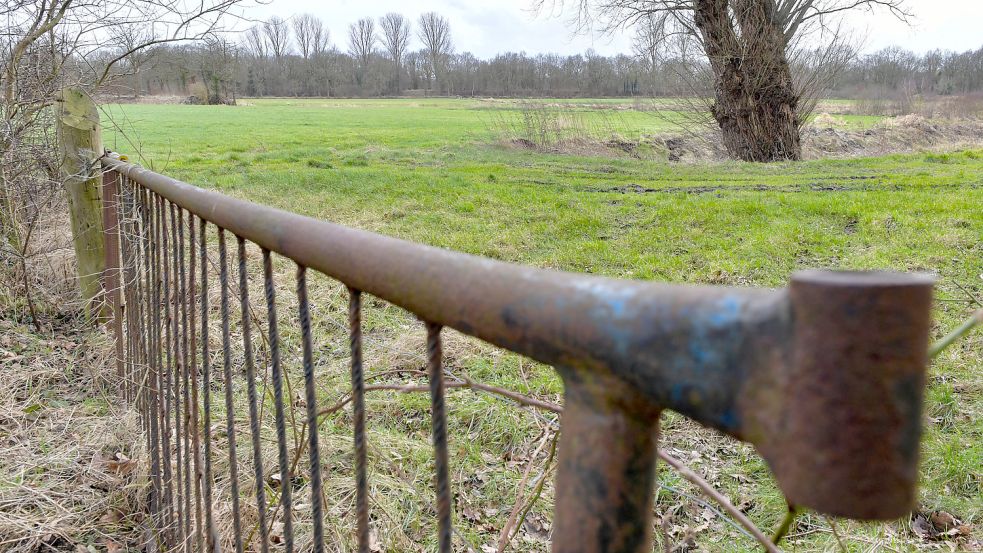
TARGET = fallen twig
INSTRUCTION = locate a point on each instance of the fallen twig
(832, 527)
(955, 335)
(786, 524)
(514, 520)
(464, 382)
(721, 499)
(542, 481)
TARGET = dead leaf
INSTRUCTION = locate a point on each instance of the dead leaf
(470, 513)
(276, 533)
(943, 521)
(939, 526)
(922, 527)
(111, 517)
(122, 465)
(98, 460)
(536, 529)
(112, 546)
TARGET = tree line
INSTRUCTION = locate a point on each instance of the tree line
(394, 56)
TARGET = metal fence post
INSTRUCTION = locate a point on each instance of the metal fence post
(112, 278)
(606, 472)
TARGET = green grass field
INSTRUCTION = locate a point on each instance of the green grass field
(436, 171)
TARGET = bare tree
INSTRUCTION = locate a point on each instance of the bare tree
(310, 34)
(312, 40)
(320, 40)
(277, 37)
(256, 42)
(217, 59)
(395, 40)
(435, 34)
(361, 44)
(750, 46)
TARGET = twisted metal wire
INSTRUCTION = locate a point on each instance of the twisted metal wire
(144, 295)
(247, 345)
(174, 303)
(206, 388)
(184, 300)
(281, 432)
(134, 300)
(155, 356)
(167, 397)
(358, 414)
(315, 455)
(227, 375)
(439, 416)
(193, 370)
(125, 233)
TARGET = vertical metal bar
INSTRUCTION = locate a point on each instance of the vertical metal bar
(206, 388)
(143, 301)
(165, 375)
(184, 299)
(124, 222)
(227, 374)
(439, 416)
(311, 397)
(606, 470)
(131, 287)
(281, 430)
(138, 361)
(111, 275)
(175, 302)
(153, 389)
(247, 345)
(193, 370)
(143, 298)
(358, 414)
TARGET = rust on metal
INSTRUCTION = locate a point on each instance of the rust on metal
(825, 377)
(112, 280)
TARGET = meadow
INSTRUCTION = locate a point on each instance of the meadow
(440, 172)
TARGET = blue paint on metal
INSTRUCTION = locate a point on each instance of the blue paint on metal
(678, 393)
(729, 420)
(728, 311)
(617, 307)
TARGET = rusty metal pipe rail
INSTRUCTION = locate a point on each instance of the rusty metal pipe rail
(824, 377)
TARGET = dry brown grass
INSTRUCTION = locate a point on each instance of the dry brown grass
(70, 472)
(826, 137)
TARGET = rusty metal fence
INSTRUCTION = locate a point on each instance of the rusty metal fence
(824, 377)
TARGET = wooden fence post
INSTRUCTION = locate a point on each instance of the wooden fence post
(80, 140)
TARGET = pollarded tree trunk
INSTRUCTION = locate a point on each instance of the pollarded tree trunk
(758, 123)
(755, 102)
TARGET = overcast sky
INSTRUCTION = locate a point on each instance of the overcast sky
(486, 28)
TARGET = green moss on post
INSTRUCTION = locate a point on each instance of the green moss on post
(80, 140)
